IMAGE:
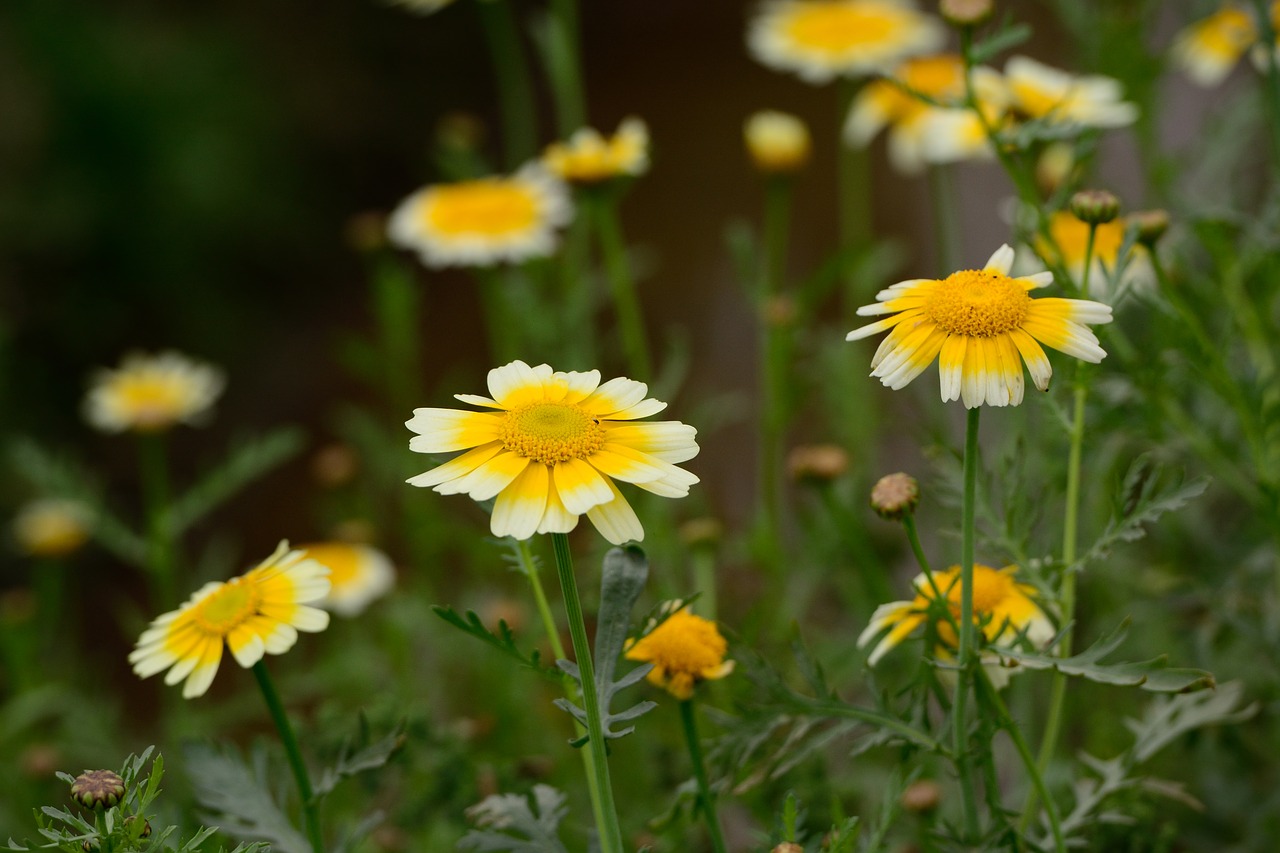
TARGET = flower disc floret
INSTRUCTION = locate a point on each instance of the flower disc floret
(551, 433)
(977, 303)
(684, 649)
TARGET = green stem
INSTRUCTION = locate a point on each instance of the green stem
(854, 187)
(515, 90)
(704, 578)
(310, 808)
(505, 341)
(154, 466)
(706, 797)
(607, 819)
(397, 305)
(578, 296)
(775, 345)
(625, 301)
(564, 66)
(967, 653)
(942, 193)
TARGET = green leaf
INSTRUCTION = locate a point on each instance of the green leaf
(506, 824)
(504, 641)
(1154, 675)
(1170, 718)
(237, 799)
(1008, 37)
(1144, 497)
(358, 754)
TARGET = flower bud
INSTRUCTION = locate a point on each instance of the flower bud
(97, 788)
(145, 832)
(817, 463)
(895, 495)
(1151, 225)
(966, 13)
(701, 532)
(1095, 207)
(921, 797)
(788, 847)
(777, 142)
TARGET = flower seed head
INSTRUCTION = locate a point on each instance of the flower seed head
(966, 13)
(895, 495)
(1151, 225)
(1095, 207)
(921, 797)
(94, 789)
(817, 463)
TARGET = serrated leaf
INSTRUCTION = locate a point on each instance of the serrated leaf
(506, 824)
(1144, 497)
(238, 800)
(1169, 719)
(1154, 675)
(245, 462)
(353, 758)
(504, 641)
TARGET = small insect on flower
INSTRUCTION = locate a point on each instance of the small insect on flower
(823, 39)
(358, 575)
(981, 325)
(260, 612)
(684, 650)
(589, 158)
(150, 393)
(553, 449)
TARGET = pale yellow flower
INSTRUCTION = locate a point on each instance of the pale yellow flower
(589, 158)
(150, 393)
(51, 528)
(981, 325)
(358, 575)
(483, 222)
(260, 612)
(553, 449)
(823, 39)
(1039, 91)
(1208, 49)
(777, 142)
(684, 650)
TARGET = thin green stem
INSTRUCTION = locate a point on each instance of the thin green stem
(607, 825)
(310, 808)
(515, 89)
(625, 302)
(578, 296)
(942, 193)
(505, 340)
(706, 797)
(775, 347)
(154, 465)
(562, 49)
(853, 181)
(913, 537)
(704, 578)
(967, 652)
(396, 307)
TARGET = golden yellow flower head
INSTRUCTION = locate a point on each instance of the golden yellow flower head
(358, 575)
(1209, 49)
(260, 612)
(1069, 240)
(553, 448)
(823, 39)
(150, 393)
(981, 325)
(1003, 608)
(483, 222)
(589, 158)
(684, 650)
(51, 528)
(777, 142)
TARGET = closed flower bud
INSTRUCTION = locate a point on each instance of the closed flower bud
(97, 788)
(966, 13)
(1095, 207)
(921, 797)
(817, 462)
(1151, 225)
(895, 495)
(777, 142)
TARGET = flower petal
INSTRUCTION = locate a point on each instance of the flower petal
(519, 508)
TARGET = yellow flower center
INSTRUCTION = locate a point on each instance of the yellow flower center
(991, 588)
(150, 401)
(1227, 33)
(490, 207)
(835, 28)
(552, 432)
(977, 304)
(228, 607)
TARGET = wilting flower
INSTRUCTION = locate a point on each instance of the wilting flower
(259, 612)
(980, 325)
(358, 574)
(777, 142)
(589, 158)
(51, 528)
(920, 102)
(684, 649)
(1002, 607)
(1039, 91)
(1069, 240)
(483, 222)
(1208, 49)
(553, 450)
(150, 393)
(823, 39)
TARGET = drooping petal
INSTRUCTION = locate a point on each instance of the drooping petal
(616, 520)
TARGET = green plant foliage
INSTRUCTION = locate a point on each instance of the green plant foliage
(504, 641)
(238, 799)
(359, 754)
(505, 823)
(1145, 495)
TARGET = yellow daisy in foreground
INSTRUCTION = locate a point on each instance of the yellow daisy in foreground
(150, 393)
(981, 325)
(553, 450)
(1002, 607)
(1039, 91)
(823, 39)
(51, 528)
(485, 221)
(259, 612)
(684, 650)
(777, 142)
(358, 574)
(589, 158)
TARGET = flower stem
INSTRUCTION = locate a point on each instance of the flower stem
(504, 339)
(515, 91)
(854, 187)
(564, 66)
(607, 818)
(154, 466)
(625, 301)
(706, 797)
(967, 654)
(942, 193)
(310, 810)
(774, 346)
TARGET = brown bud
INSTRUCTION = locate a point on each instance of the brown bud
(335, 464)
(921, 797)
(966, 13)
(895, 495)
(1094, 207)
(820, 463)
(788, 847)
(97, 788)
(780, 310)
(1151, 225)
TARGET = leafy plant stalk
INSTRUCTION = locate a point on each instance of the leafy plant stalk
(967, 652)
(310, 808)
(626, 303)
(706, 797)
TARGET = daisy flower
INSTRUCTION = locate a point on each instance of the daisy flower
(51, 528)
(1070, 240)
(1208, 49)
(1002, 607)
(777, 142)
(684, 650)
(150, 393)
(823, 39)
(1039, 91)
(483, 222)
(259, 612)
(553, 449)
(358, 574)
(589, 158)
(981, 325)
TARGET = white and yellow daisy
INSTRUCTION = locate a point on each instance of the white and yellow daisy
(589, 158)
(358, 575)
(823, 39)
(981, 325)
(1209, 49)
(150, 393)
(1069, 240)
(777, 142)
(51, 527)
(483, 222)
(685, 650)
(260, 612)
(553, 450)
(1039, 91)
